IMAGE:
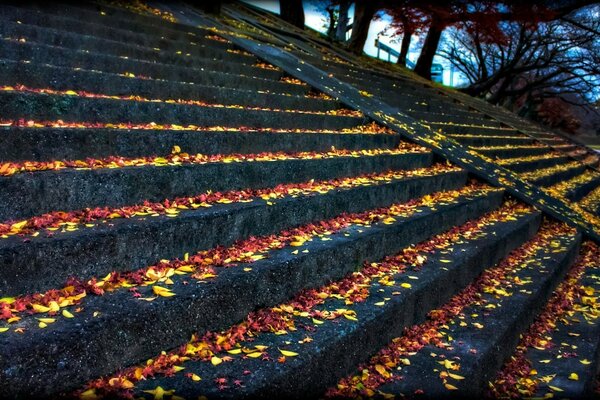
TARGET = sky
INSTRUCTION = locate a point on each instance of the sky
(316, 20)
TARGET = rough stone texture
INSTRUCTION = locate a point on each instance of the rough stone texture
(337, 348)
(73, 189)
(208, 73)
(496, 340)
(59, 37)
(46, 107)
(59, 78)
(41, 263)
(46, 144)
(129, 330)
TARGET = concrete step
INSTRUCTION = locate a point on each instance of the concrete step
(64, 78)
(148, 36)
(512, 151)
(475, 341)
(46, 144)
(86, 41)
(491, 140)
(579, 190)
(118, 17)
(527, 165)
(468, 129)
(453, 116)
(558, 354)
(137, 236)
(336, 344)
(123, 17)
(89, 108)
(144, 328)
(591, 202)
(74, 189)
(210, 72)
(553, 175)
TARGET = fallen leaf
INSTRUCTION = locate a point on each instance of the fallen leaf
(288, 353)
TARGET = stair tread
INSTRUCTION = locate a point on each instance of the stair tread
(341, 253)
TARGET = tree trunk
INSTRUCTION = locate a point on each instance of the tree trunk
(332, 21)
(364, 11)
(404, 47)
(423, 67)
(342, 24)
(292, 11)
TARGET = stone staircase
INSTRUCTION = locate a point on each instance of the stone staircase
(180, 218)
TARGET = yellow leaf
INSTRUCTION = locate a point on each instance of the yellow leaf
(235, 351)
(288, 353)
(53, 305)
(89, 394)
(382, 371)
(296, 243)
(46, 320)
(162, 291)
(256, 354)
(195, 377)
(457, 377)
(7, 300)
(71, 93)
(450, 387)
(574, 376)
(42, 325)
(176, 149)
(406, 285)
(446, 261)
(40, 308)
(216, 360)
(381, 303)
(317, 321)
(554, 388)
(3, 330)
(585, 361)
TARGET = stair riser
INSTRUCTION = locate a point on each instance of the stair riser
(515, 152)
(559, 177)
(148, 36)
(452, 116)
(19, 144)
(470, 130)
(502, 348)
(337, 349)
(527, 166)
(78, 109)
(202, 74)
(74, 41)
(77, 189)
(581, 191)
(57, 78)
(487, 141)
(121, 18)
(42, 264)
(228, 300)
(376, 333)
(498, 337)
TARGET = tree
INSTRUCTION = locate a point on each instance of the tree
(406, 21)
(292, 11)
(342, 23)
(484, 14)
(364, 11)
(531, 67)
